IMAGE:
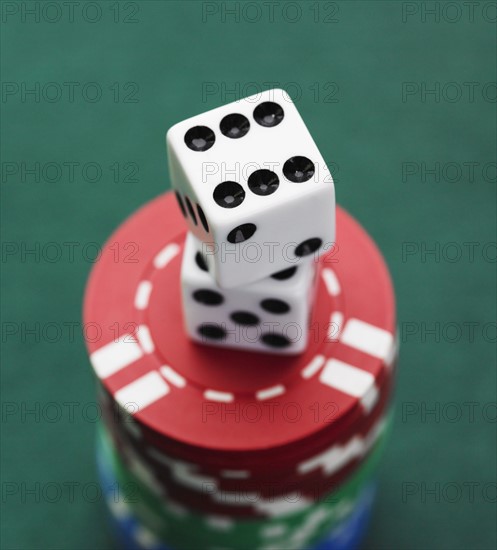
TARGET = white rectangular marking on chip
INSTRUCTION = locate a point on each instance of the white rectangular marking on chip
(145, 339)
(367, 338)
(313, 367)
(143, 294)
(172, 376)
(370, 398)
(235, 474)
(275, 530)
(335, 327)
(331, 282)
(346, 378)
(392, 355)
(270, 392)
(337, 456)
(223, 397)
(113, 357)
(166, 255)
(143, 392)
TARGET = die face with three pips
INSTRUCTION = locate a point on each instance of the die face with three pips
(253, 188)
(270, 315)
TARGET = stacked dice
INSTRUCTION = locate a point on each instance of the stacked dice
(259, 202)
(245, 359)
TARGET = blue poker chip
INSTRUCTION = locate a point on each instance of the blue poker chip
(349, 534)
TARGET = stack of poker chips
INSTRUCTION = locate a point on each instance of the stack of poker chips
(210, 447)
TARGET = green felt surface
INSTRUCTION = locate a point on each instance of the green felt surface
(348, 76)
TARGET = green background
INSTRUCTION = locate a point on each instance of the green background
(346, 64)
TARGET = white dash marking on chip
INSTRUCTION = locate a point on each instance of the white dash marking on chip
(172, 376)
(145, 538)
(141, 471)
(143, 391)
(160, 456)
(336, 321)
(237, 498)
(116, 355)
(342, 511)
(223, 397)
(269, 393)
(313, 367)
(219, 523)
(347, 378)
(281, 505)
(187, 476)
(118, 508)
(176, 509)
(235, 474)
(166, 255)
(367, 338)
(145, 339)
(143, 294)
(331, 282)
(133, 428)
(129, 422)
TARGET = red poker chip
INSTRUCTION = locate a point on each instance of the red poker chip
(251, 495)
(219, 402)
(283, 466)
(281, 459)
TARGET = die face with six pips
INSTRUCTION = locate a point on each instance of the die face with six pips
(253, 188)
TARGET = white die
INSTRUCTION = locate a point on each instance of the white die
(271, 315)
(259, 200)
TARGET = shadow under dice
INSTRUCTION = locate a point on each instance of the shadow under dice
(253, 187)
(271, 315)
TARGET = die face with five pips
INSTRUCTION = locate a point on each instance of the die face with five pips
(253, 188)
(271, 315)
